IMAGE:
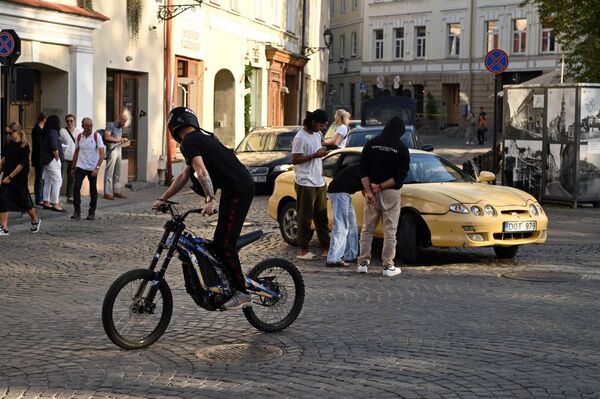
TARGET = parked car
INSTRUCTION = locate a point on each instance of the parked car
(267, 152)
(442, 206)
(360, 136)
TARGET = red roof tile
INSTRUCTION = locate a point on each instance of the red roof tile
(48, 5)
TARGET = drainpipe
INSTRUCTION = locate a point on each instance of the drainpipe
(471, 29)
(302, 41)
(167, 67)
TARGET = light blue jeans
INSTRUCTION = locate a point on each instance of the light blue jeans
(344, 237)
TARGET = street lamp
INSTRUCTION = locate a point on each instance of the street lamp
(166, 12)
(327, 36)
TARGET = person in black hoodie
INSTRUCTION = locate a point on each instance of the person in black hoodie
(384, 165)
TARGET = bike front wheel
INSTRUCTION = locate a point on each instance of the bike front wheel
(130, 320)
(275, 314)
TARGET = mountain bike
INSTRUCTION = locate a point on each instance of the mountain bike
(138, 305)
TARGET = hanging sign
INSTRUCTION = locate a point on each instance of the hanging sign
(10, 47)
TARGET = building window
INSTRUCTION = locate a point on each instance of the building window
(453, 40)
(182, 69)
(548, 43)
(343, 5)
(354, 4)
(331, 7)
(519, 35)
(378, 43)
(491, 31)
(290, 16)
(421, 41)
(353, 44)
(399, 43)
(341, 93)
(342, 46)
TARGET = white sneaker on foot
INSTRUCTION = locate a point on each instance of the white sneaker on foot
(35, 226)
(3, 231)
(363, 267)
(391, 271)
(239, 300)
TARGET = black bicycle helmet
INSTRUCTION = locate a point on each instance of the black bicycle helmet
(181, 117)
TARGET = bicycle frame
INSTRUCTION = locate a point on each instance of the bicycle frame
(187, 245)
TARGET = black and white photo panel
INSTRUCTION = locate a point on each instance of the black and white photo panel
(560, 177)
(523, 165)
(590, 114)
(589, 171)
(525, 111)
(561, 114)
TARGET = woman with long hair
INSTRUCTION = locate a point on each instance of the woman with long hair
(14, 165)
(51, 154)
(340, 137)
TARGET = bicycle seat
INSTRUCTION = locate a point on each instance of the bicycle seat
(248, 238)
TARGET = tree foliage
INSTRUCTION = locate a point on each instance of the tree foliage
(577, 31)
(134, 17)
(87, 4)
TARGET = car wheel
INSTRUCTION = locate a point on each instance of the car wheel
(288, 225)
(506, 252)
(407, 245)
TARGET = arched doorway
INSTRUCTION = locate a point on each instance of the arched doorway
(224, 107)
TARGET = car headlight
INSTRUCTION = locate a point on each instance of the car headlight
(476, 211)
(540, 209)
(490, 210)
(282, 168)
(533, 209)
(459, 208)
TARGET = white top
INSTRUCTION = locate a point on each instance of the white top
(68, 142)
(309, 173)
(342, 130)
(89, 150)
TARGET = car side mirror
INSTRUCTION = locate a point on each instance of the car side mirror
(427, 147)
(486, 176)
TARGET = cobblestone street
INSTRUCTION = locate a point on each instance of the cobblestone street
(450, 328)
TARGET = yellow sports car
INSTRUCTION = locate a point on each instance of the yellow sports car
(442, 206)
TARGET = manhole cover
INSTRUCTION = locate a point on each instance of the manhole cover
(543, 276)
(239, 353)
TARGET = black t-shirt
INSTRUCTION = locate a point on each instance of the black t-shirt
(14, 156)
(346, 181)
(224, 168)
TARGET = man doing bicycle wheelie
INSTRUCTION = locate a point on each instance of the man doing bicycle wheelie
(216, 167)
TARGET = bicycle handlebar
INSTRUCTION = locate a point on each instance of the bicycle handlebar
(167, 206)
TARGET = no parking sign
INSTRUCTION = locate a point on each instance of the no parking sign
(10, 47)
(496, 61)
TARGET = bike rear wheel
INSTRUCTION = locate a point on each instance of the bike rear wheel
(273, 315)
(130, 321)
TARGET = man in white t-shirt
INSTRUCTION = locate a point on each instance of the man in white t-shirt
(88, 156)
(311, 191)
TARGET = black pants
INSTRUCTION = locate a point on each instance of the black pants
(481, 135)
(311, 205)
(79, 175)
(233, 208)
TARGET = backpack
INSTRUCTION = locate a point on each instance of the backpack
(95, 139)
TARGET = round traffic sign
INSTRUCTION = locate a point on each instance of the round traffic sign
(7, 44)
(496, 61)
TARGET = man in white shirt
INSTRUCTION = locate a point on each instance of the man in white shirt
(311, 191)
(89, 154)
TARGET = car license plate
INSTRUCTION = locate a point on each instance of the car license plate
(529, 225)
(259, 179)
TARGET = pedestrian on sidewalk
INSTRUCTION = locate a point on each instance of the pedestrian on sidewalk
(88, 156)
(311, 191)
(51, 154)
(113, 136)
(483, 127)
(67, 138)
(384, 164)
(36, 140)
(344, 235)
(471, 127)
(14, 194)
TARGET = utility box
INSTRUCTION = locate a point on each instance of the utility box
(551, 141)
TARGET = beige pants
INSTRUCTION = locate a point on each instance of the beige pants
(387, 208)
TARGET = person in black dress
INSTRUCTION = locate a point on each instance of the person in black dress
(36, 139)
(14, 194)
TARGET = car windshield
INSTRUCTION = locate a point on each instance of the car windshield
(255, 142)
(360, 137)
(427, 168)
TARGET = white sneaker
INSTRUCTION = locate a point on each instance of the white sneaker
(3, 231)
(35, 227)
(239, 300)
(391, 271)
(363, 267)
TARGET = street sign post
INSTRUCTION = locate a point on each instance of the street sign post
(496, 61)
(363, 87)
(10, 47)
